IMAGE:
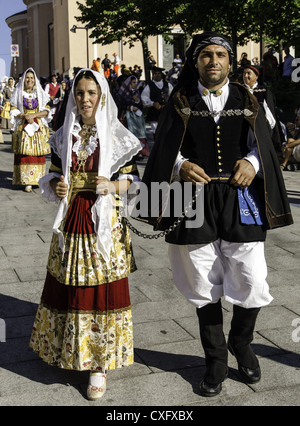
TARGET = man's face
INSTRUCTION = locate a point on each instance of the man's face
(249, 77)
(213, 66)
(157, 75)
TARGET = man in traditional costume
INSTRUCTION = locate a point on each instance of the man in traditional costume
(214, 132)
(52, 89)
(155, 96)
(267, 100)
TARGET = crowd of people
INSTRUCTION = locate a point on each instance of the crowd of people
(98, 125)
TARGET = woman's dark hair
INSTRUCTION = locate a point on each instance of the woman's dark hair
(87, 75)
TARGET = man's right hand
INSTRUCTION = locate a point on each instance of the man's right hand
(157, 105)
(190, 172)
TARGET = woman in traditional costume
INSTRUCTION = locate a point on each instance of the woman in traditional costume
(84, 319)
(29, 116)
(7, 94)
(131, 107)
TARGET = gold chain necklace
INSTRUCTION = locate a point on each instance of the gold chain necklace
(87, 132)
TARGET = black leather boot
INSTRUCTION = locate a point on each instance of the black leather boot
(215, 348)
(240, 337)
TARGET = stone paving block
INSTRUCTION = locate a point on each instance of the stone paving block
(155, 311)
(290, 261)
(8, 276)
(38, 260)
(139, 368)
(293, 306)
(22, 292)
(51, 396)
(45, 221)
(14, 220)
(287, 338)
(275, 250)
(173, 356)
(292, 247)
(136, 296)
(155, 284)
(190, 324)
(46, 237)
(23, 229)
(4, 261)
(272, 317)
(17, 238)
(157, 332)
(146, 261)
(287, 279)
(29, 248)
(32, 273)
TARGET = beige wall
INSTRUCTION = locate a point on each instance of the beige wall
(39, 17)
(61, 36)
(18, 25)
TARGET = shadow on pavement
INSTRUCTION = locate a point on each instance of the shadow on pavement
(17, 357)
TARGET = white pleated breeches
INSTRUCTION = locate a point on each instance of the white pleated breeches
(205, 272)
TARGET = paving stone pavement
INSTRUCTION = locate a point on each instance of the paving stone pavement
(169, 360)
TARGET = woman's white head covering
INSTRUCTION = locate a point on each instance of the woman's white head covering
(117, 147)
(17, 96)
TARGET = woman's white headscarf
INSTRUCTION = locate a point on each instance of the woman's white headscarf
(117, 147)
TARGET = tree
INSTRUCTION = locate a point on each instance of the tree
(130, 21)
(244, 20)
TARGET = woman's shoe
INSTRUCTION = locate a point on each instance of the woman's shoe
(96, 386)
(28, 188)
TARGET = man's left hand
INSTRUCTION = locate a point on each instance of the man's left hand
(244, 173)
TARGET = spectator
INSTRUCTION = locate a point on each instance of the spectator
(116, 63)
(96, 65)
(178, 61)
(106, 63)
(270, 66)
(287, 65)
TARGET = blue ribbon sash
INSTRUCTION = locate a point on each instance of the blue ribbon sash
(251, 211)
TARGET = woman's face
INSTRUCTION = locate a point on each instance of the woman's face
(133, 83)
(29, 81)
(87, 96)
(10, 82)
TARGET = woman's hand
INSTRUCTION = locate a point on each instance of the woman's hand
(29, 118)
(104, 186)
(60, 187)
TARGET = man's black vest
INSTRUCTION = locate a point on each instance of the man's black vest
(157, 95)
(216, 146)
